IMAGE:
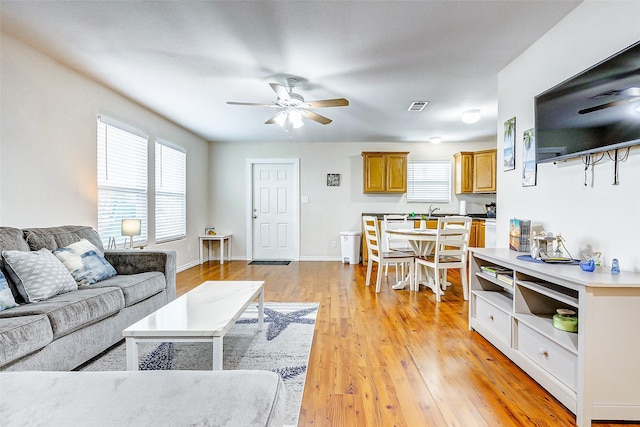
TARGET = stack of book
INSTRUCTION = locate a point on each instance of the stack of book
(503, 275)
(506, 278)
(493, 270)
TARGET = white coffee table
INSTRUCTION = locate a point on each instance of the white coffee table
(204, 314)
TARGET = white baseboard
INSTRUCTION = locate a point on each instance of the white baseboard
(187, 266)
(303, 258)
(320, 258)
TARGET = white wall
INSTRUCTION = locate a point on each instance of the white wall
(598, 216)
(48, 147)
(330, 209)
(48, 163)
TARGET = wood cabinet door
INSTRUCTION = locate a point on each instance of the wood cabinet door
(396, 173)
(484, 171)
(385, 172)
(480, 234)
(473, 236)
(463, 172)
(375, 173)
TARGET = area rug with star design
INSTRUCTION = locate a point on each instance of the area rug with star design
(282, 346)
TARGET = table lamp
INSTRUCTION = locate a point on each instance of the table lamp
(131, 227)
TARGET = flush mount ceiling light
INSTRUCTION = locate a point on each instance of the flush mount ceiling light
(435, 139)
(471, 116)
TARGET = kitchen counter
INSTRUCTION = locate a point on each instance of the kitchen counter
(433, 216)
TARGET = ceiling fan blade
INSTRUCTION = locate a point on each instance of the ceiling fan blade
(281, 91)
(338, 102)
(255, 104)
(273, 119)
(316, 117)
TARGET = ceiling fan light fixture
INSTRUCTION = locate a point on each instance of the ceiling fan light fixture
(280, 118)
(471, 116)
(435, 139)
(296, 119)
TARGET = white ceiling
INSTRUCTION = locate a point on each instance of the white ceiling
(185, 59)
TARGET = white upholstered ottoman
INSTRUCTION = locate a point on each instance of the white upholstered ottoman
(142, 398)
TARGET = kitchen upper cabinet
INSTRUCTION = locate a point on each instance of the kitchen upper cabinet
(464, 172)
(475, 171)
(484, 171)
(385, 172)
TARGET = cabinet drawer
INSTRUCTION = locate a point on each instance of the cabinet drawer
(555, 359)
(495, 319)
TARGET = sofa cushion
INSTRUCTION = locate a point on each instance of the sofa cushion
(6, 297)
(38, 275)
(136, 287)
(57, 237)
(84, 262)
(11, 239)
(74, 310)
(22, 335)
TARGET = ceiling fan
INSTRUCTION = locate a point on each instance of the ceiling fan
(293, 107)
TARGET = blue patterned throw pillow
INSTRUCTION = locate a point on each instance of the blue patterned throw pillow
(85, 263)
(6, 297)
(38, 275)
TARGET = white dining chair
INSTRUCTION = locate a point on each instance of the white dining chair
(450, 251)
(376, 254)
(391, 243)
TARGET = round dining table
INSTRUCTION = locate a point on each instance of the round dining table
(422, 241)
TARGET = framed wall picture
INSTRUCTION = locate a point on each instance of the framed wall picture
(509, 144)
(529, 158)
(333, 180)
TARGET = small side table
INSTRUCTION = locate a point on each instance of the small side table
(221, 238)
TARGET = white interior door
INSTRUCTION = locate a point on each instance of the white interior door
(274, 210)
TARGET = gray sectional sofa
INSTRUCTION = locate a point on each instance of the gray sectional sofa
(66, 330)
(61, 332)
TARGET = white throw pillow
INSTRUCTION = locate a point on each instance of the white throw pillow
(38, 275)
(85, 263)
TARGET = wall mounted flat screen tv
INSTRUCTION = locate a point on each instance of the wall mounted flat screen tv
(594, 111)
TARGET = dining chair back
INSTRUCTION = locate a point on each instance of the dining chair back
(376, 254)
(450, 251)
(394, 222)
(391, 243)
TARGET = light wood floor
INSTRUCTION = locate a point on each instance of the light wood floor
(396, 358)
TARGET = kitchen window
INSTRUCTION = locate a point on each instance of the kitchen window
(429, 181)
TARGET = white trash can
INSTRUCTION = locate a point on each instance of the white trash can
(350, 244)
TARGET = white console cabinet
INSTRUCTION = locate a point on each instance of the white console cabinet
(594, 372)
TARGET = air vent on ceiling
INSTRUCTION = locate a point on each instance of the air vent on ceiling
(418, 105)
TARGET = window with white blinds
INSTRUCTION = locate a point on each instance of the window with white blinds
(122, 182)
(429, 181)
(171, 187)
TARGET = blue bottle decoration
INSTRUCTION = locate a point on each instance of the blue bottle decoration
(615, 266)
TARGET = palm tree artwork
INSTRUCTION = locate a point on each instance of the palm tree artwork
(529, 161)
(509, 144)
